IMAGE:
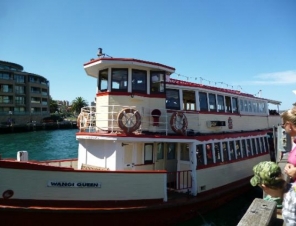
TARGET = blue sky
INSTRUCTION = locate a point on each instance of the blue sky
(248, 45)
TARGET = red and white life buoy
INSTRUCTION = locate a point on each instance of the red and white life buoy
(82, 120)
(7, 194)
(179, 123)
(129, 120)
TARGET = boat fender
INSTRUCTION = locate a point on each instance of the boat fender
(7, 194)
(129, 120)
(179, 123)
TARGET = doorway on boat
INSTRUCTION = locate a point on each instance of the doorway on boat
(166, 159)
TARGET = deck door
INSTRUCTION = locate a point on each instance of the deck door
(171, 157)
(159, 160)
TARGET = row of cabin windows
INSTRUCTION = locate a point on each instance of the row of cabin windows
(207, 101)
(210, 153)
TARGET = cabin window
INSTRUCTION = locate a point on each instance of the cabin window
(228, 104)
(221, 103)
(119, 80)
(258, 145)
(184, 152)
(209, 153)
(250, 106)
(262, 144)
(255, 151)
(249, 150)
(231, 151)
(203, 101)
(245, 105)
(234, 105)
(244, 153)
(255, 107)
(225, 151)
(172, 99)
(237, 149)
(103, 80)
(199, 154)
(148, 154)
(212, 102)
(157, 84)
(218, 152)
(241, 106)
(171, 153)
(160, 151)
(189, 100)
(139, 81)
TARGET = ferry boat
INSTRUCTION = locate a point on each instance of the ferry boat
(153, 150)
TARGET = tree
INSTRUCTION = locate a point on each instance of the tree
(53, 106)
(77, 104)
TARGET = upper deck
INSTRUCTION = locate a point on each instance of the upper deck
(132, 94)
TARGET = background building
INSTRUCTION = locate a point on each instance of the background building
(24, 96)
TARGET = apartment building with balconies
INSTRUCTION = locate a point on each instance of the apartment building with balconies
(24, 96)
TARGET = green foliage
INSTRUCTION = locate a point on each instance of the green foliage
(53, 106)
(77, 104)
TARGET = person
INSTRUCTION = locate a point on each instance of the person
(268, 176)
(289, 125)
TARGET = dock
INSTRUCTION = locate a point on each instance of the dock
(27, 127)
(262, 212)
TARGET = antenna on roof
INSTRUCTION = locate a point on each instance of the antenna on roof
(101, 54)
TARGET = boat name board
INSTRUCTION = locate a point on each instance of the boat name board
(63, 184)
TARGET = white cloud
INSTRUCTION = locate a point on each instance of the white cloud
(282, 78)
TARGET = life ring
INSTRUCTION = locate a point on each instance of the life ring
(129, 120)
(82, 120)
(179, 123)
(7, 194)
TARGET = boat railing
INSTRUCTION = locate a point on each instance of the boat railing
(105, 118)
(179, 180)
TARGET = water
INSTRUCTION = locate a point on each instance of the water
(62, 144)
(41, 145)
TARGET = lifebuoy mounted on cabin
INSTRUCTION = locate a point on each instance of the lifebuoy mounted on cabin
(179, 123)
(82, 120)
(129, 120)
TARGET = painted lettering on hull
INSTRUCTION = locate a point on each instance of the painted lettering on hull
(63, 184)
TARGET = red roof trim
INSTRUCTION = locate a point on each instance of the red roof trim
(129, 59)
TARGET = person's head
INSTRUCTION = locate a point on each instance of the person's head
(289, 121)
(268, 175)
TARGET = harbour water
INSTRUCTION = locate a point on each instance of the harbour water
(62, 144)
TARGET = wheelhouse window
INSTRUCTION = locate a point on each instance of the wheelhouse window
(212, 102)
(203, 101)
(103, 80)
(172, 99)
(139, 81)
(221, 103)
(119, 80)
(148, 154)
(157, 84)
